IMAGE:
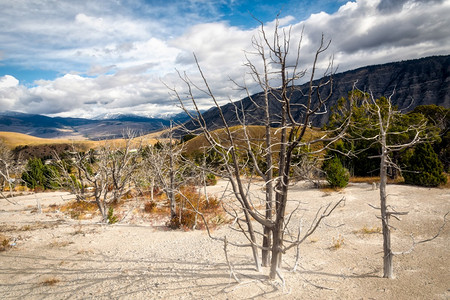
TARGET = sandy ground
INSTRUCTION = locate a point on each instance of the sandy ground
(55, 257)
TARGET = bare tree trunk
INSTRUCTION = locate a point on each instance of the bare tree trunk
(267, 238)
(278, 230)
(253, 241)
(388, 270)
(171, 194)
(289, 136)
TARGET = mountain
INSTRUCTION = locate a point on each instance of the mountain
(425, 81)
(78, 128)
(416, 82)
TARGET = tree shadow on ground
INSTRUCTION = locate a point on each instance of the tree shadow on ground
(102, 276)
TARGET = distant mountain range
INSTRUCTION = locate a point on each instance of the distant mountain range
(424, 81)
(416, 82)
(79, 128)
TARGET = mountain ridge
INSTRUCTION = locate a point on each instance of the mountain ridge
(416, 82)
(420, 81)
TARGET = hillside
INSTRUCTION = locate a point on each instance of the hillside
(78, 128)
(416, 82)
(27, 146)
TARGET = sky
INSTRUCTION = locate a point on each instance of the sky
(89, 58)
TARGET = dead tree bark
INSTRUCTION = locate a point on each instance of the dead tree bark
(388, 269)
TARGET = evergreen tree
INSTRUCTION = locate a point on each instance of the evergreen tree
(337, 175)
(424, 167)
(39, 175)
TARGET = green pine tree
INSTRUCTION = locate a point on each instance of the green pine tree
(424, 167)
(337, 175)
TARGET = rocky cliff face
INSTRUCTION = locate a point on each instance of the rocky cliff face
(416, 82)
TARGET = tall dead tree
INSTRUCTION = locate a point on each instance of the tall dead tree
(163, 160)
(277, 72)
(386, 116)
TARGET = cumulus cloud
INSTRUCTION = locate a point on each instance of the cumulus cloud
(113, 59)
(10, 92)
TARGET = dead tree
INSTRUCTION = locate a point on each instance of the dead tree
(277, 73)
(104, 174)
(385, 118)
(8, 166)
(164, 164)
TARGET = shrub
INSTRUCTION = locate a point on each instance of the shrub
(337, 243)
(149, 206)
(211, 179)
(424, 167)
(50, 281)
(188, 201)
(79, 209)
(336, 174)
(40, 176)
(187, 221)
(4, 243)
(111, 217)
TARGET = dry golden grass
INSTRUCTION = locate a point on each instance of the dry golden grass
(337, 243)
(256, 135)
(376, 179)
(80, 210)
(367, 230)
(364, 179)
(14, 139)
(328, 190)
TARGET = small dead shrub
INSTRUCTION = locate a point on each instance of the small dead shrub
(51, 208)
(189, 197)
(217, 220)
(50, 281)
(367, 230)
(313, 239)
(26, 228)
(59, 244)
(150, 206)
(80, 209)
(4, 243)
(186, 221)
(337, 242)
(189, 201)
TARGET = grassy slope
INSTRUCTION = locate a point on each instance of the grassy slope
(14, 139)
(255, 133)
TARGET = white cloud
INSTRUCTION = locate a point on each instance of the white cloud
(10, 92)
(114, 59)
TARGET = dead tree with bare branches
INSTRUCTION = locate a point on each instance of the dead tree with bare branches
(8, 168)
(386, 116)
(104, 174)
(164, 163)
(378, 125)
(277, 72)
